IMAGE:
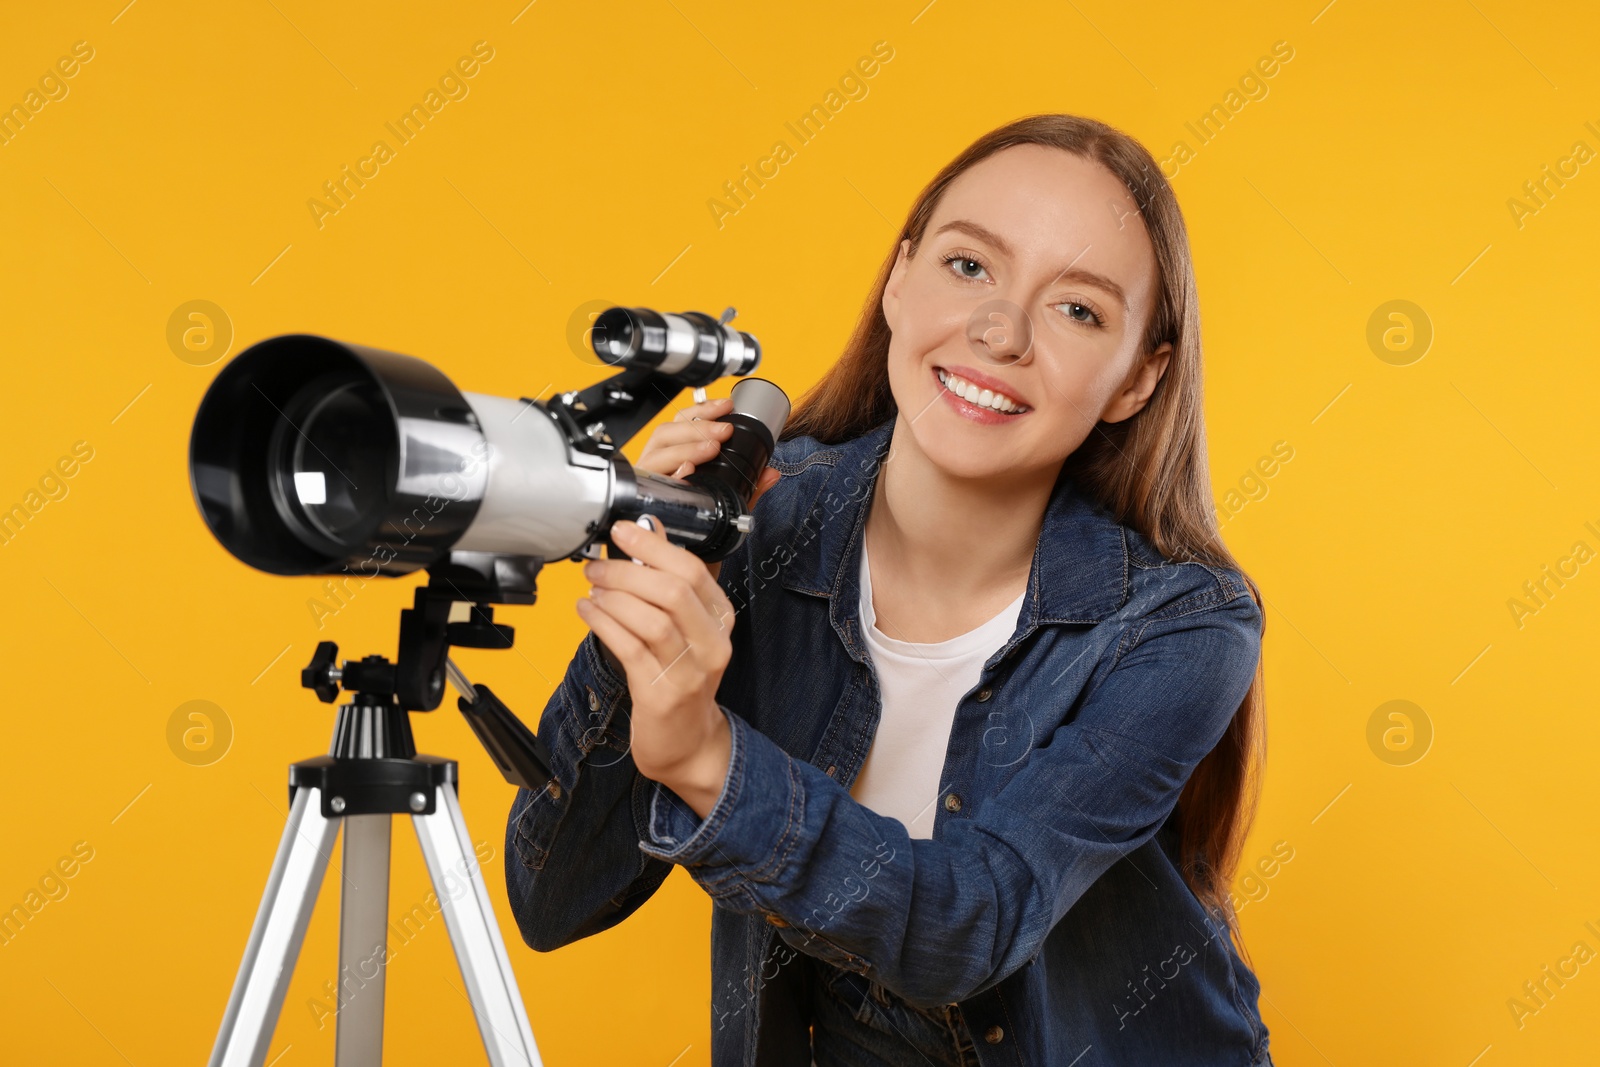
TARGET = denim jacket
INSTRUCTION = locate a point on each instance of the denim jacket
(1048, 904)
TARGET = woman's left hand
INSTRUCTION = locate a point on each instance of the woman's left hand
(669, 624)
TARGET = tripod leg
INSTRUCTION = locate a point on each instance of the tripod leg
(275, 939)
(363, 941)
(481, 952)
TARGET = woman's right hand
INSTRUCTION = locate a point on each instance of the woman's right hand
(694, 436)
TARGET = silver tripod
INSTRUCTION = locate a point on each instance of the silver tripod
(371, 773)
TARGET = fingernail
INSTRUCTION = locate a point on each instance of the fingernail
(622, 530)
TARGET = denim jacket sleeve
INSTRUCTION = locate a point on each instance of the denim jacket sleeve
(941, 920)
(574, 867)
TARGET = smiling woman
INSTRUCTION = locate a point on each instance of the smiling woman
(971, 721)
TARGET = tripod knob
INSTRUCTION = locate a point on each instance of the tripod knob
(321, 675)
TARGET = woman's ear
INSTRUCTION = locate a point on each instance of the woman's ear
(1135, 392)
(891, 291)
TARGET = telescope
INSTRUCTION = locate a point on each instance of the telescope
(314, 456)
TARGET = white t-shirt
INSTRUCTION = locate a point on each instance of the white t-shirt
(920, 684)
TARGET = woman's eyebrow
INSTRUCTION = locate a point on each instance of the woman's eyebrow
(1068, 273)
(1100, 281)
(982, 233)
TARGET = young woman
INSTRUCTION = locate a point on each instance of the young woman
(963, 741)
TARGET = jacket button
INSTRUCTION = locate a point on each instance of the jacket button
(831, 769)
(994, 1035)
(984, 694)
(776, 920)
(555, 789)
(952, 802)
(594, 701)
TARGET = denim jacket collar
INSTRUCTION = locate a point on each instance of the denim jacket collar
(1079, 574)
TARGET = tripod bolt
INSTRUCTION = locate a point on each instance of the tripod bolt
(418, 801)
(337, 804)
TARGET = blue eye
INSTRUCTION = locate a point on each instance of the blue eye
(1093, 319)
(966, 267)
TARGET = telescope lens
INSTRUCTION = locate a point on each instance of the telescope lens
(338, 470)
(308, 456)
(617, 335)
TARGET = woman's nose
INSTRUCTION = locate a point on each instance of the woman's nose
(1001, 332)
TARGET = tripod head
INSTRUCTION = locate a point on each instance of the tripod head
(375, 724)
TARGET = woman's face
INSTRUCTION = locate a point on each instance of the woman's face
(1033, 283)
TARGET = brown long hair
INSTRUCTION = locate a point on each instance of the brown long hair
(1149, 470)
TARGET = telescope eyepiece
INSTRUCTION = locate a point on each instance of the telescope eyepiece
(692, 348)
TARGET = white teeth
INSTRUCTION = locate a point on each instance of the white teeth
(982, 397)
